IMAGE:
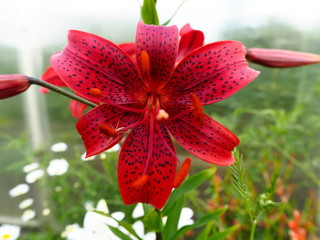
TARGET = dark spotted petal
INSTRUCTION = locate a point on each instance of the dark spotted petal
(161, 43)
(210, 141)
(212, 72)
(89, 61)
(161, 167)
(95, 141)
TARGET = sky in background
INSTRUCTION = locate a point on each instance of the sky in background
(47, 22)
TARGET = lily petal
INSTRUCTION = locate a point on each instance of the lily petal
(209, 141)
(52, 77)
(189, 41)
(212, 72)
(77, 108)
(161, 43)
(88, 127)
(89, 61)
(160, 168)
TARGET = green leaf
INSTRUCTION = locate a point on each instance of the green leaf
(171, 225)
(149, 13)
(127, 226)
(119, 234)
(222, 235)
(153, 220)
(189, 184)
(200, 222)
(205, 232)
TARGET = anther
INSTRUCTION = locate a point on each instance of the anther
(183, 172)
(162, 114)
(145, 61)
(197, 108)
(107, 130)
(96, 92)
(140, 182)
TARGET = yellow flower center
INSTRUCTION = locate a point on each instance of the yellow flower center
(6, 236)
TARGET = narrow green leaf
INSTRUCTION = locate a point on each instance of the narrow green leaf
(206, 231)
(153, 220)
(149, 13)
(127, 226)
(173, 217)
(202, 221)
(222, 235)
(119, 234)
(189, 184)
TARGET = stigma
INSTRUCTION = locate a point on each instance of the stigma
(107, 130)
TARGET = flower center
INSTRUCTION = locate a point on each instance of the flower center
(6, 236)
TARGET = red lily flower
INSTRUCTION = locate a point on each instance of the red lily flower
(156, 99)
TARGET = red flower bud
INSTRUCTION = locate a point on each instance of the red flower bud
(13, 84)
(281, 58)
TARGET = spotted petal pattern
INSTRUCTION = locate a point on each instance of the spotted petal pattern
(212, 72)
(95, 141)
(136, 155)
(89, 61)
(210, 141)
(161, 43)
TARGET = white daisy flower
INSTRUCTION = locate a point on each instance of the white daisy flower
(59, 147)
(30, 167)
(74, 232)
(33, 176)
(46, 212)
(57, 167)
(9, 232)
(19, 190)
(26, 203)
(28, 215)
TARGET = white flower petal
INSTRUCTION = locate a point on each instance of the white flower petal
(19, 190)
(28, 215)
(59, 147)
(185, 217)
(118, 215)
(31, 167)
(83, 157)
(58, 167)
(102, 206)
(138, 211)
(138, 226)
(26, 203)
(33, 176)
(115, 148)
(9, 232)
(150, 236)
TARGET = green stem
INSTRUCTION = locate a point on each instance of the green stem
(56, 89)
(253, 228)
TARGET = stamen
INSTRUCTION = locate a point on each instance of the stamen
(183, 172)
(107, 130)
(96, 92)
(145, 61)
(140, 182)
(197, 108)
(162, 114)
(6, 236)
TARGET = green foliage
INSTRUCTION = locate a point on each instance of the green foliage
(149, 13)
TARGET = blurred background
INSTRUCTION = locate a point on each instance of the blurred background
(277, 117)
